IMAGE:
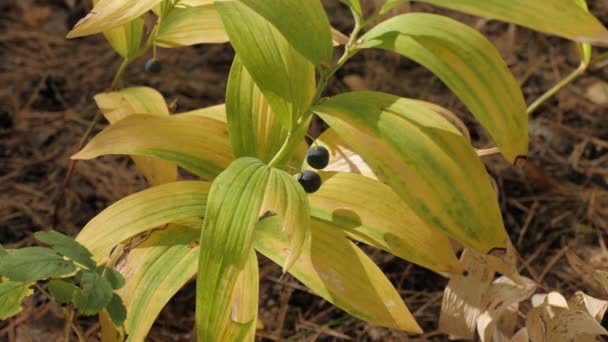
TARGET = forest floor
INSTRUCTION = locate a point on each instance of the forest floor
(557, 201)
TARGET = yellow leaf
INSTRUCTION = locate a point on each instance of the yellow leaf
(341, 156)
(190, 26)
(142, 211)
(116, 106)
(371, 212)
(338, 271)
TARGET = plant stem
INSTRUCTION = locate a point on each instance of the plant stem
(559, 86)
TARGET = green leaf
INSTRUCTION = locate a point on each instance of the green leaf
(113, 277)
(95, 295)
(65, 245)
(12, 294)
(118, 105)
(198, 144)
(338, 271)
(190, 26)
(116, 310)
(62, 291)
(355, 5)
(254, 129)
(34, 263)
(584, 49)
(564, 18)
(298, 21)
(234, 205)
(426, 161)
(285, 77)
(3, 251)
(469, 65)
(371, 212)
(108, 14)
(161, 265)
(142, 211)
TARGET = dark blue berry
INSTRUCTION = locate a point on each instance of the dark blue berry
(310, 181)
(317, 157)
(153, 66)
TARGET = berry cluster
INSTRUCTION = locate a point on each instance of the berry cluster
(318, 158)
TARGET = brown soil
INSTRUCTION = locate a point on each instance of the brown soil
(556, 201)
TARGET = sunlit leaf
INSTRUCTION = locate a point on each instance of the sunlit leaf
(34, 263)
(426, 161)
(254, 129)
(197, 143)
(469, 65)
(233, 207)
(371, 212)
(65, 245)
(338, 271)
(284, 76)
(108, 14)
(341, 156)
(12, 294)
(142, 211)
(190, 26)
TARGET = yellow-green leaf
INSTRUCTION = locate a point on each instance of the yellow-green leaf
(355, 5)
(116, 106)
(371, 212)
(190, 26)
(155, 270)
(425, 160)
(584, 49)
(195, 3)
(125, 39)
(559, 17)
(254, 129)
(285, 77)
(217, 112)
(337, 270)
(341, 156)
(469, 65)
(12, 294)
(195, 142)
(142, 211)
(108, 14)
(235, 201)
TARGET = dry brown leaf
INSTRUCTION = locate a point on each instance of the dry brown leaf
(355, 82)
(339, 38)
(588, 273)
(37, 16)
(596, 308)
(598, 93)
(570, 324)
(521, 336)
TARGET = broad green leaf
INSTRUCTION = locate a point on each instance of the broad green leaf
(65, 245)
(355, 5)
(426, 161)
(389, 4)
(233, 207)
(12, 294)
(116, 310)
(371, 212)
(116, 106)
(62, 291)
(198, 144)
(108, 14)
(190, 26)
(254, 129)
(114, 278)
(34, 263)
(244, 310)
(95, 295)
(285, 77)
(563, 18)
(286, 198)
(155, 270)
(337, 270)
(469, 65)
(298, 21)
(341, 156)
(142, 211)
(584, 49)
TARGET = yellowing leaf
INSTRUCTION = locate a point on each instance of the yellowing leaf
(426, 161)
(154, 271)
(197, 143)
(195, 3)
(564, 18)
(217, 112)
(12, 294)
(235, 200)
(469, 65)
(584, 49)
(371, 212)
(341, 156)
(116, 106)
(108, 14)
(338, 271)
(284, 76)
(597, 278)
(190, 26)
(143, 211)
(255, 130)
